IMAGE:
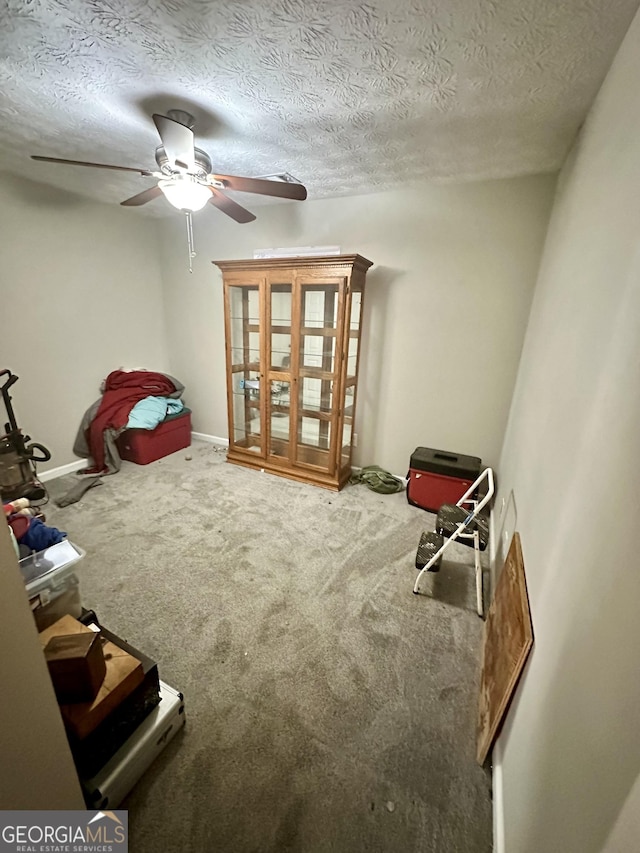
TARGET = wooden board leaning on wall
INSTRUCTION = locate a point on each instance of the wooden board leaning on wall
(508, 637)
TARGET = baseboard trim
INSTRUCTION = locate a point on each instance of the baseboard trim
(224, 442)
(496, 754)
(61, 470)
(210, 439)
(498, 799)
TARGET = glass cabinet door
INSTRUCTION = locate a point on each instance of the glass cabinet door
(279, 311)
(318, 372)
(244, 355)
(353, 314)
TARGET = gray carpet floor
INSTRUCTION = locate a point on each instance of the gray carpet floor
(328, 708)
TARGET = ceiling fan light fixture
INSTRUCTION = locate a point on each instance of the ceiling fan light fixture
(185, 193)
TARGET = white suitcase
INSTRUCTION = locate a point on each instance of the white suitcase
(112, 783)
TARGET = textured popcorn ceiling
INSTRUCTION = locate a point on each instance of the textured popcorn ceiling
(348, 97)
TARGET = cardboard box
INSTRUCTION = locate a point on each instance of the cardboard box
(123, 674)
(76, 666)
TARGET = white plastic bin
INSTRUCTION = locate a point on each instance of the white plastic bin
(51, 583)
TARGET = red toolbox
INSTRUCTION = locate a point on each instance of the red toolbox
(146, 445)
(439, 477)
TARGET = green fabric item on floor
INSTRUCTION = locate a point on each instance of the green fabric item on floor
(378, 480)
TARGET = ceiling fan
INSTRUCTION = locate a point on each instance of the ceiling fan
(185, 175)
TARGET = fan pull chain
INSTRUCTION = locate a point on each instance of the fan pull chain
(192, 252)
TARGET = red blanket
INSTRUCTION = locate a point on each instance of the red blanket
(122, 390)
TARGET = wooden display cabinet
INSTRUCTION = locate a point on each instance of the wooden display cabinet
(292, 328)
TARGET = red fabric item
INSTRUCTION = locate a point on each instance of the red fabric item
(19, 524)
(122, 390)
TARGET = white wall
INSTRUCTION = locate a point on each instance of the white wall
(445, 308)
(626, 831)
(81, 296)
(36, 767)
(571, 745)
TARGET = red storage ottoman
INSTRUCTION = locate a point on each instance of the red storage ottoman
(439, 477)
(146, 445)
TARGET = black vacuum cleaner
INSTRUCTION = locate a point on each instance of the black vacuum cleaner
(17, 458)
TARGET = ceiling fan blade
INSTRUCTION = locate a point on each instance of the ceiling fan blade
(143, 197)
(226, 205)
(280, 189)
(177, 140)
(92, 165)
